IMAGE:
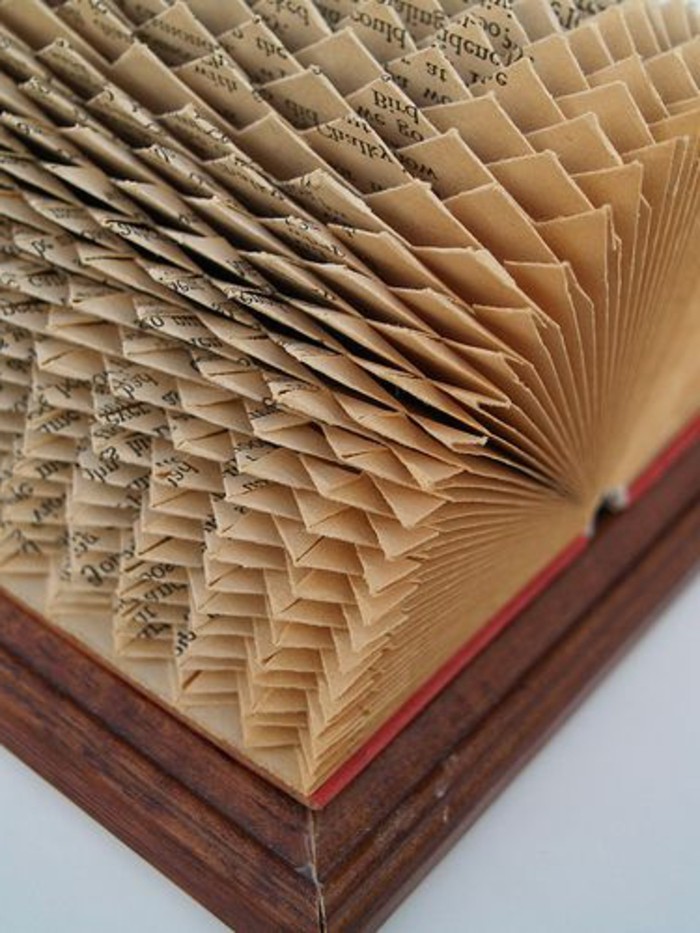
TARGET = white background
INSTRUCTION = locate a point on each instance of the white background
(599, 834)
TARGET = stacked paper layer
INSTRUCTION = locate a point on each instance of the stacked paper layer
(325, 326)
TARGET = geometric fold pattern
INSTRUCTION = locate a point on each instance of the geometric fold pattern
(325, 326)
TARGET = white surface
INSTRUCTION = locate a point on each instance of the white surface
(599, 834)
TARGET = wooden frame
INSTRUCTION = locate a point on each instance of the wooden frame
(262, 860)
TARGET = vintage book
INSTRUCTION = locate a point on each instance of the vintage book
(327, 330)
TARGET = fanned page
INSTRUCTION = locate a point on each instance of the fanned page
(326, 326)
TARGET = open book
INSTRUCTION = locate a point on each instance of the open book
(326, 327)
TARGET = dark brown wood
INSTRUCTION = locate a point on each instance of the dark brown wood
(262, 860)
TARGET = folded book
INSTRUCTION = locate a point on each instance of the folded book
(326, 330)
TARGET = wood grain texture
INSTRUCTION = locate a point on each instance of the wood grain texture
(262, 860)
